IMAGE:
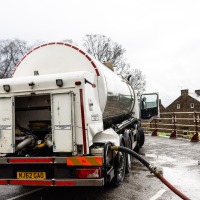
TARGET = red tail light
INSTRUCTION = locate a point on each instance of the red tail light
(78, 83)
(88, 173)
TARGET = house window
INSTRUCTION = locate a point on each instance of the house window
(178, 106)
(192, 105)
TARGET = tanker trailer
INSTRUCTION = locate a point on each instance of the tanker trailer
(60, 113)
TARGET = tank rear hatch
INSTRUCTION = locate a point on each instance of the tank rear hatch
(53, 58)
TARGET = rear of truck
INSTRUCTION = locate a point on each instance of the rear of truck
(59, 115)
(44, 131)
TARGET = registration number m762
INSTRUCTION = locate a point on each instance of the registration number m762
(31, 175)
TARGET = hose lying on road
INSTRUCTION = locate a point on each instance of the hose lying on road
(151, 168)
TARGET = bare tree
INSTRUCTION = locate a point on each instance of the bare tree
(105, 50)
(11, 52)
(137, 80)
(69, 41)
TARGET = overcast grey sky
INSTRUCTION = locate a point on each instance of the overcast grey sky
(161, 37)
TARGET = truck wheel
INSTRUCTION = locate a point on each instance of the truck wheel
(120, 167)
(140, 140)
(129, 157)
(142, 137)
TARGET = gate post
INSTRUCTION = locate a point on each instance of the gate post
(173, 133)
(195, 137)
(154, 132)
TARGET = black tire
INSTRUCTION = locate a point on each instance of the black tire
(137, 147)
(120, 166)
(140, 140)
(129, 157)
(141, 136)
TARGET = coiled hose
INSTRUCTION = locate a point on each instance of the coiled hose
(151, 168)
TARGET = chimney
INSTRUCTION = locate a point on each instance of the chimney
(184, 92)
(197, 92)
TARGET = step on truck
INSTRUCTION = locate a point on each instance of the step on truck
(59, 114)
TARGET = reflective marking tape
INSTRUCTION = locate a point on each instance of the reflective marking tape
(61, 43)
(83, 122)
(85, 161)
(30, 182)
(64, 183)
(30, 160)
(3, 182)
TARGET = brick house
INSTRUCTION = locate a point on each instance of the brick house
(181, 113)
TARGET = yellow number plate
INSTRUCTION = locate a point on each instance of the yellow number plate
(31, 175)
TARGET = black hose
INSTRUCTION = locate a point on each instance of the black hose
(151, 168)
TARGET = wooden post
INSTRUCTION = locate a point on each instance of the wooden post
(154, 133)
(173, 133)
(195, 137)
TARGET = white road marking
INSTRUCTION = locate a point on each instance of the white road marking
(32, 191)
(158, 194)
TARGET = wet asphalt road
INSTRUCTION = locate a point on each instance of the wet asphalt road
(176, 159)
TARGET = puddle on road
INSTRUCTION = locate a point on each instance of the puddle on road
(184, 174)
(160, 158)
(186, 180)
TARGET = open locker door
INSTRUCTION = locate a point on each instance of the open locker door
(7, 132)
(62, 126)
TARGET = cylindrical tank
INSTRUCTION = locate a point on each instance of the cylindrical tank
(120, 98)
(116, 96)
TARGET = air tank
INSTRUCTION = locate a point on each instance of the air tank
(115, 94)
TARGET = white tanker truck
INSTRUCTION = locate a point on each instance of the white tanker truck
(60, 113)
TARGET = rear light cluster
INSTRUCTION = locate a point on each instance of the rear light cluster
(78, 83)
(88, 173)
